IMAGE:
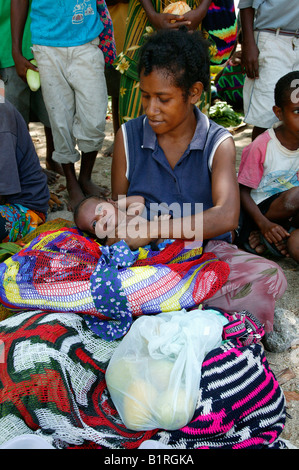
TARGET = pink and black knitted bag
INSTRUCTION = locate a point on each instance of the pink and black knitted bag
(52, 382)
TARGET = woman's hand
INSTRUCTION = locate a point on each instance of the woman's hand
(134, 236)
(195, 17)
(168, 21)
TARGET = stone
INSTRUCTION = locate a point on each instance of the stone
(285, 331)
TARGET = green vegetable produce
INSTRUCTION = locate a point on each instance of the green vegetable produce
(33, 78)
(223, 114)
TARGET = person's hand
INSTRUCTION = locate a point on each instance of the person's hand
(195, 17)
(168, 21)
(22, 65)
(134, 235)
(276, 235)
(235, 59)
(249, 59)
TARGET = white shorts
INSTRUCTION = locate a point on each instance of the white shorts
(278, 56)
(75, 94)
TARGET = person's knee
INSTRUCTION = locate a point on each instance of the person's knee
(291, 200)
(293, 245)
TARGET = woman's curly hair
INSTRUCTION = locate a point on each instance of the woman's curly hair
(182, 55)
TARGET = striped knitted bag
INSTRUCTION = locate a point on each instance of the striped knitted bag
(52, 383)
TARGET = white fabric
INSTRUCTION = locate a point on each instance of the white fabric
(280, 170)
(278, 55)
(75, 93)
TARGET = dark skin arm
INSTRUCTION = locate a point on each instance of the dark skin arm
(250, 50)
(191, 19)
(111, 3)
(18, 17)
(272, 232)
(220, 218)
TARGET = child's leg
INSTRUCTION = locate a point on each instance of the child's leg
(254, 283)
(284, 207)
(89, 84)
(86, 184)
(59, 99)
(73, 187)
(293, 245)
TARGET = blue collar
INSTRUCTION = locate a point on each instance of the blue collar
(198, 141)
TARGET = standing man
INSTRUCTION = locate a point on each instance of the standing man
(270, 49)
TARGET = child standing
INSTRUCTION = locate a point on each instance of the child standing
(269, 178)
(65, 38)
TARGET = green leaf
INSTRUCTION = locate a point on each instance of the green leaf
(246, 290)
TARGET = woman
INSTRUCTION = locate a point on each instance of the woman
(217, 19)
(175, 155)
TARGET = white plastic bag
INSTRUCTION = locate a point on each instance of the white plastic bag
(154, 374)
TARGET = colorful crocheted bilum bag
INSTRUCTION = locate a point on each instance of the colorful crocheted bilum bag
(65, 271)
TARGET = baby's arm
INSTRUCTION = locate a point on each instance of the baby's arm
(133, 205)
(162, 217)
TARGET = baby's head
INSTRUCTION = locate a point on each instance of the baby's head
(96, 216)
(182, 55)
(287, 90)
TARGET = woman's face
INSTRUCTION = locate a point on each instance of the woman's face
(164, 104)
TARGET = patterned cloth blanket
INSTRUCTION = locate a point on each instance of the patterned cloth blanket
(64, 271)
(52, 383)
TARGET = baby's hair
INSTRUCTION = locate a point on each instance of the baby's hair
(78, 208)
(82, 202)
(284, 88)
(183, 55)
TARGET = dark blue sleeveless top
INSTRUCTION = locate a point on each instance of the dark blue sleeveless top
(182, 191)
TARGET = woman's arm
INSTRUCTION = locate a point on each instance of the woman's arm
(162, 20)
(191, 19)
(196, 16)
(119, 182)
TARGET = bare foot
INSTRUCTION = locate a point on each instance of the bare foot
(54, 166)
(262, 246)
(75, 196)
(255, 242)
(51, 175)
(109, 151)
(90, 188)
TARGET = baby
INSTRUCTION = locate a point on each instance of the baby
(101, 217)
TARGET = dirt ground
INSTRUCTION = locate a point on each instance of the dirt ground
(285, 365)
